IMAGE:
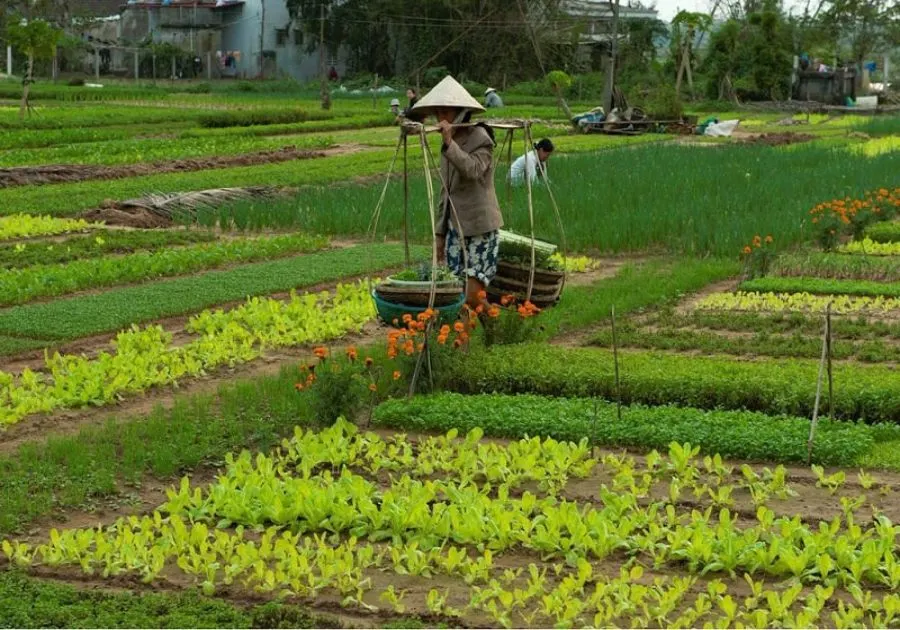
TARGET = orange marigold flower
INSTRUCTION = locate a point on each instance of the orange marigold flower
(298, 386)
(506, 300)
(445, 330)
(392, 353)
(407, 318)
(396, 375)
(369, 362)
(482, 295)
(351, 353)
(442, 339)
(320, 351)
(459, 326)
(373, 387)
(493, 311)
(409, 347)
(747, 249)
(769, 238)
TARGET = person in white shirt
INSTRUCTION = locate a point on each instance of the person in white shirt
(533, 164)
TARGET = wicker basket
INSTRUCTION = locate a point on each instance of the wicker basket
(413, 295)
(512, 279)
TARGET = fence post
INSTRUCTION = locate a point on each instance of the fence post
(615, 341)
(55, 70)
(137, 69)
(209, 65)
(9, 67)
(97, 64)
(153, 62)
(815, 416)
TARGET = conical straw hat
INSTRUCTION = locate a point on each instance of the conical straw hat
(447, 93)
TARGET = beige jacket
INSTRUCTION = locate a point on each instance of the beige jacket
(467, 170)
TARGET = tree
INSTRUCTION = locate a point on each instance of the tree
(868, 26)
(685, 28)
(751, 56)
(37, 39)
(485, 39)
(559, 82)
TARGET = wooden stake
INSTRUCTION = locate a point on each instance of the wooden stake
(815, 416)
(828, 335)
(594, 429)
(616, 362)
(405, 201)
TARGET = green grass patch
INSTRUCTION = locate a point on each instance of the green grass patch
(822, 286)
(44, 478)
(14, 345)
(868, 393)
(31, 603)
(67, 319)
(737, 434)
(878, 125)
(19, 286)
(636, 286)
(139, 150)
(97, 243)
(837, 266)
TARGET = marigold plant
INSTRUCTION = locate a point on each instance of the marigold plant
(839, 217)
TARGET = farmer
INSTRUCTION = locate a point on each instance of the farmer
(492, 99)
(395, 106)
(532, 165)
(413, 99)
(467, 228)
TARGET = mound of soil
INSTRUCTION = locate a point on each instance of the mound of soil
(64, 173)
(778, 139)
(130, 217)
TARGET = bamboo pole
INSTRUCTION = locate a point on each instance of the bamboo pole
(405, 200)
(829, 343)
(528, 144)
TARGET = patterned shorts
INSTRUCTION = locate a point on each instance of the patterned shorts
(481, 255)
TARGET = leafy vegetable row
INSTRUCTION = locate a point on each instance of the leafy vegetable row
(144, 358)
(871, 247)
(74, 317)
(822, 286)
(803, 302)
(866, 393)
(28, 225)
(829, 265)
(760, 344)
(333, 521)
(884, 232)
(739, 434)
(18, 286)
(99, 243)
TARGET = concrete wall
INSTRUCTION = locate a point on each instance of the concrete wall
(241, 32)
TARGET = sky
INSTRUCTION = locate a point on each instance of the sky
(668, 8)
